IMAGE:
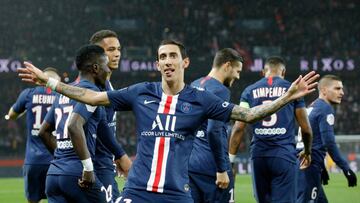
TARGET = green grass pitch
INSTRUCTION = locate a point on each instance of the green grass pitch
(11, 190)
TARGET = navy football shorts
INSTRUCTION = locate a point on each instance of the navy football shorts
(34, 180)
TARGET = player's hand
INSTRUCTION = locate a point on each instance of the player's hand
(351, 177)
(123, 165)
(32, 74)
(305, 159)
(87, 180)
(222, 180)
(324, 176)
(303, 85)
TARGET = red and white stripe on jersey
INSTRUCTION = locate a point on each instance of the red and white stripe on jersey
(161, 148)
(167, 104)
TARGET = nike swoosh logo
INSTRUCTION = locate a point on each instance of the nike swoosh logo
(149, 102)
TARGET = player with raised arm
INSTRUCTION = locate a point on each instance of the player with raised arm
(107, 146)
(211, 178)
(273, 151)
(322, 120)
(35, 102)
(71, 176)
(168, 114)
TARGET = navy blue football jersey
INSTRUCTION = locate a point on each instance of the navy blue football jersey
(36, 102)
(166, 126)
(103, 157)
(66, 161)
(273, 136)
(202, 158)
(322, 120)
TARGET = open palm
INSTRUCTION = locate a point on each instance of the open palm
(303, 85)
(32, 74)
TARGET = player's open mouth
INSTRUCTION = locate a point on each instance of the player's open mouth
(169, 71)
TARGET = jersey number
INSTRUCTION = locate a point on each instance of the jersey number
(231, 200)
(273, 118)
(37, 110)
(66, 111)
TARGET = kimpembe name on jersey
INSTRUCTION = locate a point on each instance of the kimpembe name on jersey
(158, 128)
(268, 92)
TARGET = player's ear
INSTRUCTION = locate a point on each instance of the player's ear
(186, 62)
(95, 68)
(263, 71)
(283, 73)
(227, 66)
(157, 65)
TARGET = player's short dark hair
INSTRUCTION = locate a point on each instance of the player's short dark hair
(226, 55)
(330, 77)
(87, 55)
(275, 60)
(173, 42)
(102, 34)
(326, 79)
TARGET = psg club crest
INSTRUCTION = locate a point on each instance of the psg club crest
(186, 107)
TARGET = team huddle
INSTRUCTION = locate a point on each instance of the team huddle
(183, 153)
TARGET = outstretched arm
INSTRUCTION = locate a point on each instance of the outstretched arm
(13, 115)
(299, 88)
(34, 75)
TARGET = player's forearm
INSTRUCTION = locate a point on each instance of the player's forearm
(45, 133)
(83, 95)
(12, 114)
(256, 113)
(307, 140)
(335, 155)
(77, 136)
(235, 140)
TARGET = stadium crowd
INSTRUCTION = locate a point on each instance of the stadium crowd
(48, 32)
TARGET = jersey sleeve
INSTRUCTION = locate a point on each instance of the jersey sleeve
(50, 115)
(215, 107)
(20, 104)
(299, 103)
(122, 99)
(326, 123)
(245, 98)
(217, 137)
(84, 110)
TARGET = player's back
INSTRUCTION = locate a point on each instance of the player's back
(321, 118)
(36, 101)
(201, 158)
(273, 136)
(66, 161)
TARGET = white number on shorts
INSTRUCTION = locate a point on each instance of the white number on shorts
(231, 200)
(314, 193)
(108, 192)
(127, 200)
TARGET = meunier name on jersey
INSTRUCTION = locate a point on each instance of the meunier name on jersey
(268, 92)
(43, 99)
